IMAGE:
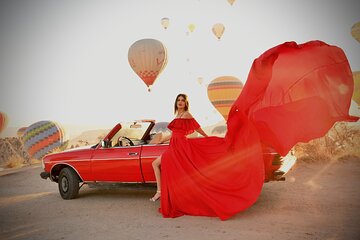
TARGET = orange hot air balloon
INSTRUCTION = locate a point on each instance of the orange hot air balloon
(231, 2)
(3, 121)
(165, 22)
(356, 93)
(147, 57)
(222, 92)
(218, 30)
(355, 31)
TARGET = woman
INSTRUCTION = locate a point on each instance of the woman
(294, 93)
(181, 109)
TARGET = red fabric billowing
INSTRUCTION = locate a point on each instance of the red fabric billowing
(293, 93)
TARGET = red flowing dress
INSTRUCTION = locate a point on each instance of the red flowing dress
(294, 93)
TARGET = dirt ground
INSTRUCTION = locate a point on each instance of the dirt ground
(317, 201)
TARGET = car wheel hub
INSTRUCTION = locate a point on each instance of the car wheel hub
(64, 184)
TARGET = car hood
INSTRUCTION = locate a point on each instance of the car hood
(73, 153)
(77, 148)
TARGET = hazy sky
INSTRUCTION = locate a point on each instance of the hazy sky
(67, 61)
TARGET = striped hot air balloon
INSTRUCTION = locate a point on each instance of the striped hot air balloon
(147, 57)
(3, 121)
(42, 137)
(20, 132)
(222, 92)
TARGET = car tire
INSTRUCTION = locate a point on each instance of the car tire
(68, 183)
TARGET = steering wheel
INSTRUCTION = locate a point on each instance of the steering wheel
(131, 142)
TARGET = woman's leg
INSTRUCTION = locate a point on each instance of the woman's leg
(156, 166)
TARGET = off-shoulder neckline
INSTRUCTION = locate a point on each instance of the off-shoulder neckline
(184, 118)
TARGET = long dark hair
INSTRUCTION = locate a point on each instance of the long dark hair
(186, 102)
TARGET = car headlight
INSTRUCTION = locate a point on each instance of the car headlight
(43, 164)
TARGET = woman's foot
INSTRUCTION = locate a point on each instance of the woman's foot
(156, 196)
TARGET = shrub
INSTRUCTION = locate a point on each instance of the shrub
(342, 140)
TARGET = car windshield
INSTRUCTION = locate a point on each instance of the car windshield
(132, 130)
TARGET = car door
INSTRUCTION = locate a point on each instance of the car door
(117, 164)
(148, 155)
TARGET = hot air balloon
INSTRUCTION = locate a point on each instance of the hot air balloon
(200, 80)
(191, 27)
(3, 121)
(147, 57)
(218, 30)
(20, 132)
(165, 22)
(356, 93)
(222, 92)
(231, 2)
(355, 31)
(42, 137)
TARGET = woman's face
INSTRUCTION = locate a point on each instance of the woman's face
(180, 102)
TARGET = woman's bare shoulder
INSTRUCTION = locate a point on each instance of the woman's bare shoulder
(187, 114)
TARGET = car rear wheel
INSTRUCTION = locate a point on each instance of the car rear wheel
(68, 183)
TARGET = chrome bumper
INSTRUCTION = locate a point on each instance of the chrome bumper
(44, 175)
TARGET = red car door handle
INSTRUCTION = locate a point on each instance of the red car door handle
(133, 153)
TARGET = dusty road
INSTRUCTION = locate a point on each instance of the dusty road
(317, 201)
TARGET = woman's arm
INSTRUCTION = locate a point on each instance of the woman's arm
(165, 139)
(199, 130)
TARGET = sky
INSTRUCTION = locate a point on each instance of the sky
(67, 61)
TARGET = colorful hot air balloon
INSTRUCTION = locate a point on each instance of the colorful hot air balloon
(147, 57)
(218, 30)
(191, 27)
(20, 132)
(42, 137)
(222, 92)
(231, 2)
(356, 93)
(355, 31)
(3, 121)
(165, 22)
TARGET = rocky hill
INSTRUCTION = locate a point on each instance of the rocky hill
(88, 138)
(12, 148)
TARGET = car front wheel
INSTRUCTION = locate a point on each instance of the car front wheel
(68, 183)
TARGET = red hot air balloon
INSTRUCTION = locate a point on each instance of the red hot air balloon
(3, 121)
(147, 57)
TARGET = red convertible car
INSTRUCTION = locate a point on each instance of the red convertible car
(125, 156)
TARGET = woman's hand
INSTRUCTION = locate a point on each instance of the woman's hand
(157, 139)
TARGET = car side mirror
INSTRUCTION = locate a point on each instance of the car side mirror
(105, 143)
